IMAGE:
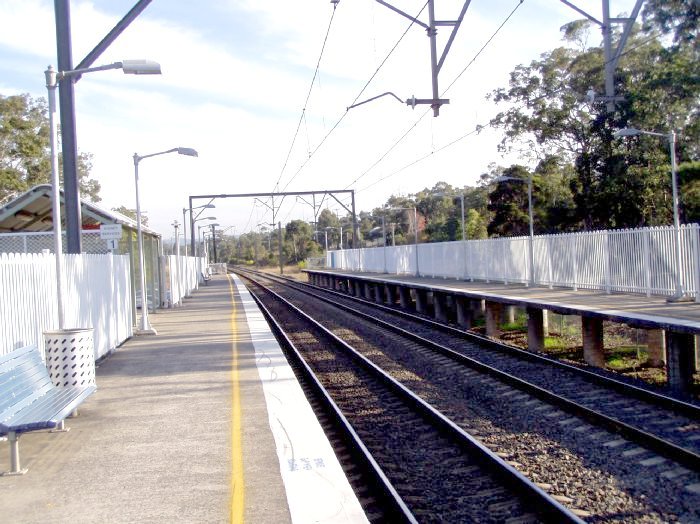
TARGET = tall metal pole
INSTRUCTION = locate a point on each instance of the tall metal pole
(532, 230)
(384, 237)
(145, 327)
(432, 33)
(279, 230)
(184, 227)
(213, 243)
(676, 218)
(415, 220)
(55, 193)
(193, 240)
(608, 54)
(355, 225)
(177, 239)
(69, 148)
(464, 226)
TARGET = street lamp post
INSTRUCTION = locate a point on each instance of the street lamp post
(213, 242)
(198, 237)
(145, 328)
(679, 295)
(201, 236)
(134, 67)
(531, 251)
(184, 221)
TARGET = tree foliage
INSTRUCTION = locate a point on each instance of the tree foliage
(612, 183)
(25, 156)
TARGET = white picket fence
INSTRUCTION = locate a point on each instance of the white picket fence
(182, 276)
(633, 261)
(97, 295)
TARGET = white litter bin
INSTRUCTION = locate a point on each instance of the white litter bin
(70, 357)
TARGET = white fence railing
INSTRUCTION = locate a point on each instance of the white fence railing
(182, 276)
(97, 294)
(634, 261)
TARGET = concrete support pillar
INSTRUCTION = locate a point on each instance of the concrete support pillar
(545, 322)
(680, 351)
(494, 310)
(440, 307)
(378, 293)
(535, 329)
(465, 315)
(593, 348)
(656, 347)
(421, 301)
(367, 290)
(479, 308)
(389, 294)
(404, 297)
(508, 313)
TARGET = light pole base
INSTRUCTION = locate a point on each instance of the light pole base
(147, 331)
(680, 296)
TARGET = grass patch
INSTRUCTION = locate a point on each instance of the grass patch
(626, 357)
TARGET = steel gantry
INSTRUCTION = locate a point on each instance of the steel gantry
(326, 192)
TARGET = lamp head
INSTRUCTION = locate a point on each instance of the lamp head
(187, 151)
(504, 178)
(627, 131)
(141, 67)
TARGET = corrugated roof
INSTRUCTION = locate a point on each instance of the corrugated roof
(32, 212)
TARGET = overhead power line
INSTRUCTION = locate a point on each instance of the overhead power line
(415, 124)
(308, 95)
(335, 126)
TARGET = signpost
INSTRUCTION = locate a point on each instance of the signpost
(111, 233)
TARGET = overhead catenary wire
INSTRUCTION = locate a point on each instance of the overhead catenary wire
(415, 124)
(342, 117)
(480, 127)
(308, 96)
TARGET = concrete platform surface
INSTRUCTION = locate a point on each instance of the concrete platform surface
(180, 431)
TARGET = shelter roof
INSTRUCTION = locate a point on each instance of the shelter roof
(32, 212)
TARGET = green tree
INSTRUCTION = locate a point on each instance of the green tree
(25, 149)
(131, 213)
(616, 183)
(509, 203)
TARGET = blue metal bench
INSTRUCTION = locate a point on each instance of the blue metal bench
(29, 401)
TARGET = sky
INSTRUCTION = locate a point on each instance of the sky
(239, 86)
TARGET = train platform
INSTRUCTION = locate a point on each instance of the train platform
(653, 312)
(204, 422)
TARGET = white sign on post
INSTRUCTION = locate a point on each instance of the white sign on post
(110, 231)
(112, 245)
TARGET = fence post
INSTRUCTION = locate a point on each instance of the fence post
(694, 259)
(647, 260)
(606, 260)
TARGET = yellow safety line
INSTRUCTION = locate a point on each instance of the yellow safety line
(237, 485)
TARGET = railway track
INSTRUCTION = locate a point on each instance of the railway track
(599, 465)
(439, 472)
